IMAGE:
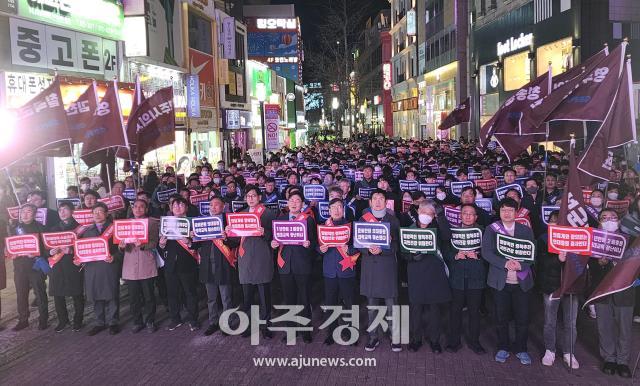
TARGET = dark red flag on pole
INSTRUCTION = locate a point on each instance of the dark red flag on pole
(155, 122)
(132, 137)
(80, 113)
(105, 130)
(461, 114)
(624, 274)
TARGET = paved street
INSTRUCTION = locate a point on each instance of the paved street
(184, 357)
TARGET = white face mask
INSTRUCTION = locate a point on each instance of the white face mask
(610, 226)
(216, 180)
(441, 196)
(596, 201)
(612, 195)
(425, 219)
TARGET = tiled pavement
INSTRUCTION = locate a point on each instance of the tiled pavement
(185, 357)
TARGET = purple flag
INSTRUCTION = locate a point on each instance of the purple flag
(618, 129)
(80, 113)
(461, 114)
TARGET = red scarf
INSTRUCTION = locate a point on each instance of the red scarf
(347, 261)
(258, 212)
(230, 254)
(301, 217)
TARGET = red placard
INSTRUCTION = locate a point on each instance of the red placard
(83, 216)
(41, 214)
(570, 239)
(334, 236)
(22, 245)
(196, 198)
(406, 205)
(243, 224)
(620, 206)
(58, 239)
(487, 186)
(14, 212)
(91, 249)
(131, 230)
(114, 203)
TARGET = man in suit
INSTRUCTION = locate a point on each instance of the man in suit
(511, 281)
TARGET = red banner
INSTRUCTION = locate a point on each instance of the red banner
(243, 224)
(620, 206)
(83, 216)
(131, 230)
(196, 198)
(114, 203)
(91, 249)
(487, 186)
(570, 239)
(58, 239)
(23, 245)
(41, 214)
(334, 236)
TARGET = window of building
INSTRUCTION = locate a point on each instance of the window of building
(516, 71)
(200, 33)
(559, 53)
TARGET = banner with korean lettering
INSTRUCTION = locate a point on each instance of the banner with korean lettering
(569, 239)
(272, 126)
(174, 228)
(453, 216)
(546, 211)
(22, 245)
(290, 232)
(58, 239)
(429, 190)
(487, 186)
(114, 203)
(80, 113)
(608, 245)
(314, 192)
(371, 234)
(91, 249)
(458, 186)
(131, 230)
(416, 240)
(163, 196)
(195, 199)
(409, 185)
(155, 122)
(334, 236)
(466, 239)
(207, 228)
(501, 192)
(243, 224)
(83, 216)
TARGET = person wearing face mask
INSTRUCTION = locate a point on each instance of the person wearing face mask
(615, 311)
(428, 282)
(444, 198)
(468, 277)
(596, 202)
(379, 268)
(612, 192)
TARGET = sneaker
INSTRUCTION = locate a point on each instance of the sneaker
(193, 326)
(524, 357)
(415, 346)
(501, 356)
(372, 344)
(397, 347)
(61, 327)
(173, 325)
(592, 311)
(137, 328)
(624, 371)
(21, 325)
(76, 327)
(574, 363)
(549, 357)
(95, 330)
(636, 319)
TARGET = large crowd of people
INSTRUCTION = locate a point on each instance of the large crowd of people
(443, 285)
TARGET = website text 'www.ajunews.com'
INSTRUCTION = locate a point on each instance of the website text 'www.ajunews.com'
(302, 362)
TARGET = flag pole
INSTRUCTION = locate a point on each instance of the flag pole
(75, 166)
(546, 141)
(13, 187)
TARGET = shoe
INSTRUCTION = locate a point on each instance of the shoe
(193, 326)
(592, 311)
(372, 344)
(524, 357)
(636, 319)
(173, 325)
(501, 356)
(267, 334)
(20, 326)
(414, 346)
(609, 368)
(137, 328)
(453, 348)
(77, 327)
(328, 341)
(306, 337)
(435, 347)
(42, 326)
(211, 329)
(623, 371)
(151, 328)
(61, 327)
(574, 362)
(96, 330)
(549, 357)
(477, 348)
(396, 347)
(114, 330)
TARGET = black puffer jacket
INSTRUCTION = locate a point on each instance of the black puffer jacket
(548, 267)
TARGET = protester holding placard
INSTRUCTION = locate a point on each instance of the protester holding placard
(218, 269)
(24, 274)
(118, 190)
(255, 260)
(511, 281)
(551, 192)
(180, 271)
(615, 312)
(379, 267)
(338, 267)
(467, 277)
(427, 279)
(38, 198)
(139, 269)
(295, 261)
(443, 197)
(270, 192)
(549, 268)
(367, 182)
(102, 278)
(468, 197)
(66, 278)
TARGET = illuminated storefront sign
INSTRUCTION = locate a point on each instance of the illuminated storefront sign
(386, 76)
(277, 23)
(514, 44)
(279, 59)
(516, 71)
(411, 22)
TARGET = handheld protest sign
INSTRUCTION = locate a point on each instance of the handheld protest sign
(114, 203)
(453, 216)
(365, 193)
(458, 186)
(203, 208)
(334, 236)
(91, 249)
(546, 212)
(409, 185)
(195, 199)
(207, 228)
(163, 196)
(358, 176)
(466, 239)
(83, 216)
(621, 207)
(272, 205)
(129, 194)
(515, 249)
(237, 206)
(174, 228)
(323, 210)
(204, 180)
(521, 181)
(501, 192)
(290, 232)
(371, 234)
(487, 186)
(41, 214)
(418, 240)
(473, 176)
(429, 190)
(484, 204)
(243, 224)
(608, 245)
(283, 204)
(569, 239)
(131, 230)
(314, 192)
(73, 201)
(23, 245)
(58, 239)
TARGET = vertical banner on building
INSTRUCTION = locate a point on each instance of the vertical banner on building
(272, 126)
(193, 96)
(229, 37)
